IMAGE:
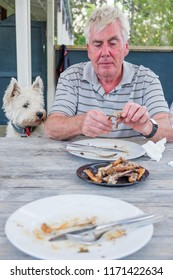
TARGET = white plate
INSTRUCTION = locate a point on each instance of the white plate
(23, 227)
(133, 150)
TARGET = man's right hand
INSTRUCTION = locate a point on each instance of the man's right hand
(95, 123)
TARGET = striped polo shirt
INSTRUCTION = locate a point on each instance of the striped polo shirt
(78, 91)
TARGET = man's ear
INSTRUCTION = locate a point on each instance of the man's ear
(126, 48)
(87, 46)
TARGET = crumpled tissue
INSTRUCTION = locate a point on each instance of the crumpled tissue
(155, 150)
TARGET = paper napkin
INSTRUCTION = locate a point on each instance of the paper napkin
(155, 150)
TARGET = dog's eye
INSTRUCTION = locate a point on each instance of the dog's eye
(26, 105)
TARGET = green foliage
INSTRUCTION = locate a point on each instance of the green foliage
(79, 40)
(151, 21)
(81, 9)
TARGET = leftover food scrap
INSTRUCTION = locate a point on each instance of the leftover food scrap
(115, 171)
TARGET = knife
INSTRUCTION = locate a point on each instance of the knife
(141, 219)
(89, 147)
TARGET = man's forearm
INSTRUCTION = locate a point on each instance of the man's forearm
(61, 127)
(165, 130)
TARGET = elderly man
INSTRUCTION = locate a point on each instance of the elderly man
(88, 93)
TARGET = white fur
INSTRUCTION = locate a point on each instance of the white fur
(21, 104)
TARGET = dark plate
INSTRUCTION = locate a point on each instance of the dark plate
(94, 168)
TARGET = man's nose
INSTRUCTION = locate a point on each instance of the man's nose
(105, 50)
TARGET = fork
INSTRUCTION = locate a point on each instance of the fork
(101, 229)
(92, 236)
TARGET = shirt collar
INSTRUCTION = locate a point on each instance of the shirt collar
(90, 76)
(128, 73)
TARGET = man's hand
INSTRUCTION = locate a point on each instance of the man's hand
(136, 117)
(95, 123)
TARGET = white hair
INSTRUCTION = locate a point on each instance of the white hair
(104, 16)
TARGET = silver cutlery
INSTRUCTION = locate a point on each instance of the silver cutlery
(90, 235)
(90, 147)
(105, 155)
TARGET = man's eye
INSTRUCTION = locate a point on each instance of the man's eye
(113, 43)
(97, 45)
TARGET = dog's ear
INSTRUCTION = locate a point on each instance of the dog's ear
(13, 87)
(38, 84)
(12, 90)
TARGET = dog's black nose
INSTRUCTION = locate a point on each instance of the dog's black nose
(39, 115)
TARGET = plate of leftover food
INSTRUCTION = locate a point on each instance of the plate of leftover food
(31, 227)
(105, 149)
(119, 173)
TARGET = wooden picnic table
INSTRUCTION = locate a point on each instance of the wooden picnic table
(35, 168)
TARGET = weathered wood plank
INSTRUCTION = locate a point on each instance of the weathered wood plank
(34, 168)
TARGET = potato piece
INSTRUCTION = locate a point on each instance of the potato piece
(141, 172)
(92, 176)
(118, 161)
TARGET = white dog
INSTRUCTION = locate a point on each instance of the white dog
(24, 107)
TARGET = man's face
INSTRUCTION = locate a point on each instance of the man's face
(106, 50)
